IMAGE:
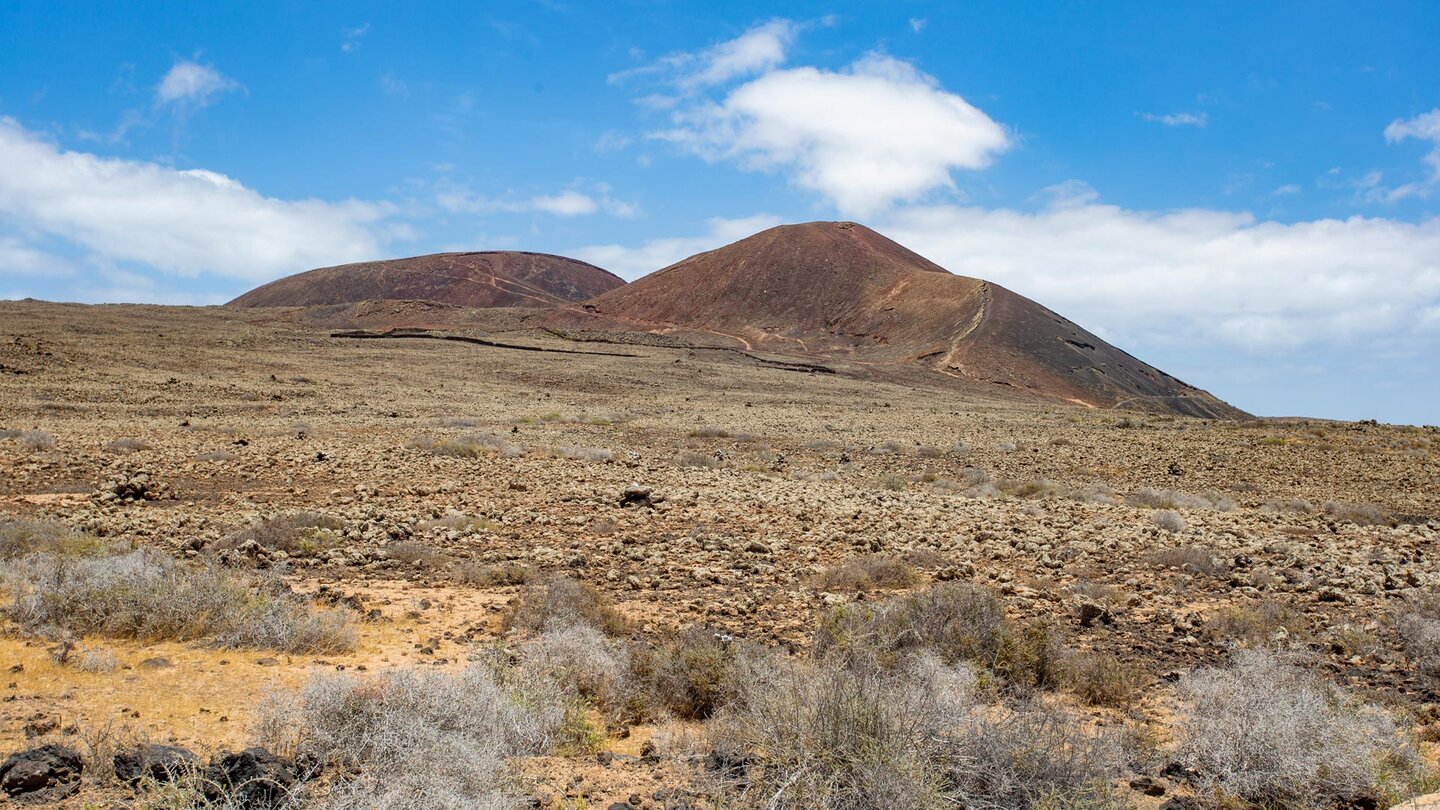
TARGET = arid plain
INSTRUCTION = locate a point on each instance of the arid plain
(440, 485)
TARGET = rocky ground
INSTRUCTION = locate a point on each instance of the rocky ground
(688, 487)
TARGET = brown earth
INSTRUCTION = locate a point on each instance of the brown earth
(484, 279)
(769, 478)
(838, 292)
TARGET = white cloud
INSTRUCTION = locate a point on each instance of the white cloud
(634, 262)
(917, 24)
(191, 84)
(1195, 277)
(569, 203)
(877, 132)
(21, 259)
(352, 37)
(1287, 189)
(1179, 119)
(184, 222)
(761, 48)
(1423, 127)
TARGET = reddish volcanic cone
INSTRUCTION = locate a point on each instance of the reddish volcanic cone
(486, 279)
(842, 292)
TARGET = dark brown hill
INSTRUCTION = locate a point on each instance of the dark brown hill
(484, 279)
(842, 292)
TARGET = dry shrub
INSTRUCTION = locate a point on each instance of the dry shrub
(22, 536)
(421, 739)
(1190, 559)
(1298, 506)
(836, 737)
(36, 440)
(409, 553)
(585, 659)
(562, 602)
(296, 533)
(127, 446)
(1264, 624)
(481, 575)
(588, 454)
(1166, 499)
(957, 621)
(144, 596)
(890, 482)
(96, 660)
(688, 675)
(1265, 732)
(1419, 626)
(868, 573)
(1361, 514)
(1168, 520)
(1102, 679)
(690, 458)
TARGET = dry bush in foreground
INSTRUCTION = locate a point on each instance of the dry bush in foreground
(868, 573)
(409, 739)
(145, 596)
(1268, 733)
(1102, 679)
(562, 602)
(689, 675)
(1361, 514)
(838, 737)
(583, 657)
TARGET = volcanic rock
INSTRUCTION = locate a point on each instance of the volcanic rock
(484, 279)
(839, 291)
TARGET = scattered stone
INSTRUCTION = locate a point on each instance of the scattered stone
(45, 774)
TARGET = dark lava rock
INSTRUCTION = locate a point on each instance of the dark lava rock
(162, 763)
(45, 774)
(253, 778)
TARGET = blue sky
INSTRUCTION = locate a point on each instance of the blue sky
(1245, 195)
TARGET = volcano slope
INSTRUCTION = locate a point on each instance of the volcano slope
(483, 279)
(841, 292)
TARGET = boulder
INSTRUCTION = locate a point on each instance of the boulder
(254, 779)
(45, 774)
(161, 763)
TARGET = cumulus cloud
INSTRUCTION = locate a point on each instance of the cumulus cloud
(192, 85)
(186, 222)
(633, 262)
(877, 132)
(1178, 119)
(1424, 127)
(1197, 277)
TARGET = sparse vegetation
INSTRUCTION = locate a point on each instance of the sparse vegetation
(691, 458)
(559, 603)
(481, 575)
(1168, 520)
(296, 533)
(413, 739)
(1191, 560)
(1265, 732)
(144, 596)
(868, 573)
(844, 738)
(1102, 679)
(689, 675)
(1419, 626)
(1361, 514)
(589, 454)
(127, 446)
(1166, 499)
